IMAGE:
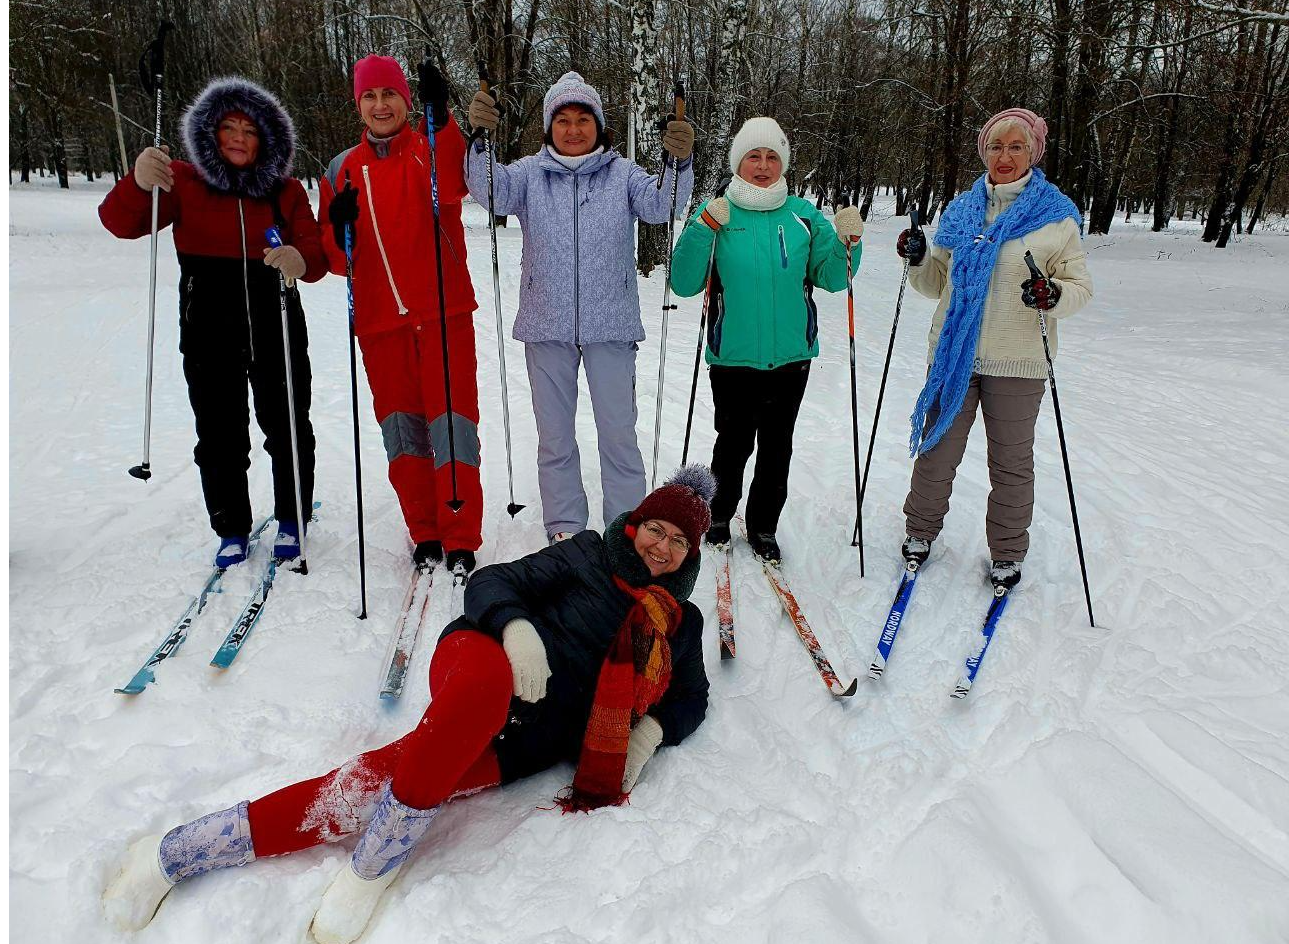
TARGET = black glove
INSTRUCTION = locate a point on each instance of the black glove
(434, 91)
(911, 245)
(1041, 294)
(343, 212)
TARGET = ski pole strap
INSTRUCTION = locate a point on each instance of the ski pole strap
(152, 64)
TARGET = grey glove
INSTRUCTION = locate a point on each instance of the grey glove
(527, 655)
(152, 169)
(483, 112)
(645, 739)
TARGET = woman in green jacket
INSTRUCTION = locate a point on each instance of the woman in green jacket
(767, 252)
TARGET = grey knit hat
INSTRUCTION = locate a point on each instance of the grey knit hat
(571, 89)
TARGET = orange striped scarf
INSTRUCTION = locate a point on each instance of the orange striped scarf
(634, 676)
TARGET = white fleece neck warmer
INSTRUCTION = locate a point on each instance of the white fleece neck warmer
(749, 196)
(572, 163)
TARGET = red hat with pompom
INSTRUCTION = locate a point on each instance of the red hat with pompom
(684, 500)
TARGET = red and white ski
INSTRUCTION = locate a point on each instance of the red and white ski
(802, 626)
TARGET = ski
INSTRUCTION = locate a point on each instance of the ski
(407, 629)
(903, 594)
(175, 638)
(802, 626)
(250, 614)
(968, 677)
(724, 600)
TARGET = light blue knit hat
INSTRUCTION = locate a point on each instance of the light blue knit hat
(571, 89)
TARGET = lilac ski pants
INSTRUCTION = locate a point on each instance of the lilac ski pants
(611, 376)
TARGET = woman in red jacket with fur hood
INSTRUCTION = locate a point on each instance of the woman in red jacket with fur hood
(241, 143)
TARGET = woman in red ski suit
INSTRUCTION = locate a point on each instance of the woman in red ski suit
(381, 187)
(241, 142)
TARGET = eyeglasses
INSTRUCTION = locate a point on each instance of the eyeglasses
(1013, 150)
(678, 541)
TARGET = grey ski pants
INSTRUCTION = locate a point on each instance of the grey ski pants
(1010, 407)
(611, 376)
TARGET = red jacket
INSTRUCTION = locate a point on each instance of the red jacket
(207, 222)
(395, 280)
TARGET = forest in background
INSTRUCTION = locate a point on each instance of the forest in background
(1170, 108)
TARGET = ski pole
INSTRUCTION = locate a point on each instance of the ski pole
(274, 239)
(152, 75)
(679, 110)
(353, 393)
(857, 541)
(698, 352)
(1060, 432)
(854, 405)
(456, 503)
(512, 508)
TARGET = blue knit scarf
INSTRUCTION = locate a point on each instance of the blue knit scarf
(975, 250)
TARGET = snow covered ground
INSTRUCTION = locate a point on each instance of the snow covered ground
(1125, 783)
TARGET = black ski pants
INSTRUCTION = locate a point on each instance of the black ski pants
(224, 345)
(755, 408)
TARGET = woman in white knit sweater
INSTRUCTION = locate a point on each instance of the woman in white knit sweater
(985, 344)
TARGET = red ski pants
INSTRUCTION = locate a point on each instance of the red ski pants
(405, 371)
(448, 754)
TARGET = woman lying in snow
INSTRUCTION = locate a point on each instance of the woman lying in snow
(596, 642)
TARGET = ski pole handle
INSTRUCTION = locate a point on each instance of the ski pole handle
(678, 105)
(274, 237)
(913, 220)
(1033, 267)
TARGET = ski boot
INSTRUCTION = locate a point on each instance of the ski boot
(1004, 575)
(766, 548)
(718, 534)
(461, 564)
(232, 551)
(428, 553)
(557, 537)
(915, 551)
(287, 545)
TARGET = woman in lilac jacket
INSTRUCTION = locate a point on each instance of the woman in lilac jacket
(577, 200)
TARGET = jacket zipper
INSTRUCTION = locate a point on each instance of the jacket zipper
(577, 282)
(389, 273)
(246, 282)
(783, 248)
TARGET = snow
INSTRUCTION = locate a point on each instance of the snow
(1123, 783)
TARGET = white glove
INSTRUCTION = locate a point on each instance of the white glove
(645, 739)
(527, 655)
(849, 225)
(287, 260)
(719, 211)
(152, 169)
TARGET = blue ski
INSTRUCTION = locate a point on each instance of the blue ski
(884, 643)
(175, 638)
(972, 666)
(250, 615)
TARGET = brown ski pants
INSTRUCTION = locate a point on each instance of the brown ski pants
(1010, 407)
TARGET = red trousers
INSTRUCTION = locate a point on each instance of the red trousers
(449, 753)
(405, 371)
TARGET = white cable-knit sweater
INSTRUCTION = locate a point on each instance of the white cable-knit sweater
(1011, 344)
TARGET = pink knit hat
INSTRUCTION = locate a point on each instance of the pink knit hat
(381, 72)
(1036, 125)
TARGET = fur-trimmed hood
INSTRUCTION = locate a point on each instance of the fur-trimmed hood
(277, 137)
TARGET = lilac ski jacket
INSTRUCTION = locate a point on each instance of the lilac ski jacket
(578, 264)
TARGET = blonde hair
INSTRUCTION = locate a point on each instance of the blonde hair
(1011, 124)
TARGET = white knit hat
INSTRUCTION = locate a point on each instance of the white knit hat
(571, 89)
(759, 133)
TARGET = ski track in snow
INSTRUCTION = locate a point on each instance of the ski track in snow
(1124, 783)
